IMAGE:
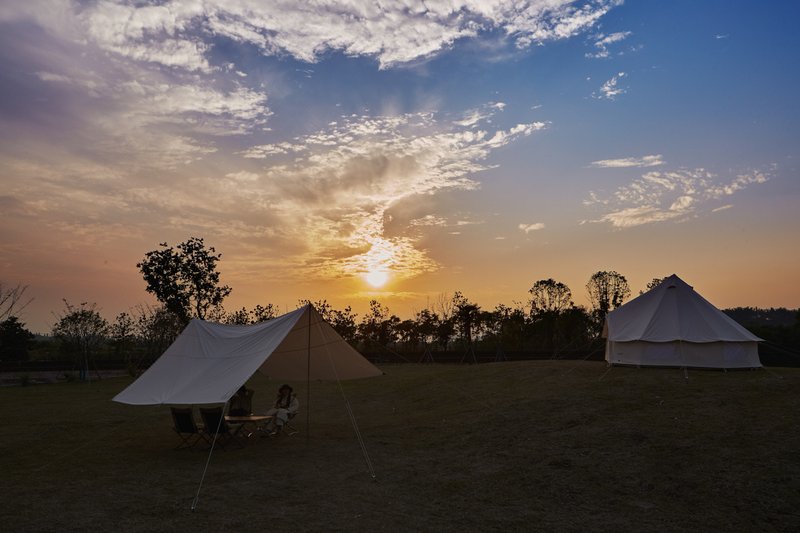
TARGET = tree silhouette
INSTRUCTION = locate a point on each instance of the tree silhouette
(466, 315)
(607, 290)
(81, 330)
(377, 328)
(185, 278)
(550, 300)
(15, 340)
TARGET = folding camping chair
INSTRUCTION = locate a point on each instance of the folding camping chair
(288, 427)
(185, 427)
(274, 430)
(214, 424)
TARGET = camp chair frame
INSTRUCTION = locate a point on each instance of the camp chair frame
(214, 424)
(288, 427)
(186, 427)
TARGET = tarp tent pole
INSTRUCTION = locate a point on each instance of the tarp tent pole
(308, 379)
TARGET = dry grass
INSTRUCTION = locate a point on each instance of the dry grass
(539, 445)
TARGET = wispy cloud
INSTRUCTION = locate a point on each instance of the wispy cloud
(527, 228)
(322, 212)
(139, 115)
(676, 195)
(611, 88)
(429, 220)
(603, 42)
(474, 116)
(341, 184)
(628, 162)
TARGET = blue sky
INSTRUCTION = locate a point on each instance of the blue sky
(472, 146)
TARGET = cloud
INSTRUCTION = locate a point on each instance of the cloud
(673, 195)
(176, 34)
(243, 176)
(148, 78)
(130, 112)
(341, 185)
(636, 216)
(167, 34)
(148, 118)
(474, 116)
(429, 220)
(602, 43)
(611, 88)
(738, 183)
(321, 213)
(527, 228)
(628, 162)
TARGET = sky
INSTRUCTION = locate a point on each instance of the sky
(399, 151)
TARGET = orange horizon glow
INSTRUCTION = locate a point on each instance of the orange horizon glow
(477, 153)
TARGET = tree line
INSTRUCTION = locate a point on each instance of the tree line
(185, 281)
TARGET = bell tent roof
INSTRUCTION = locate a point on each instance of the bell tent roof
(673, 311)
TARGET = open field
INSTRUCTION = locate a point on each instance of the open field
(536, 445)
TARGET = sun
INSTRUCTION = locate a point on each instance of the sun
(377, 278)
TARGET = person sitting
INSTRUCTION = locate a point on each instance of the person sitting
(241, 404)
(286, 406)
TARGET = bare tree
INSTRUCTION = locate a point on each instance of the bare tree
(443, 305)
(12, 300)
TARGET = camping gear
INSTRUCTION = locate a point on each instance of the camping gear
(208, 362)
(672, 325)
(186, 427)
(216, 428)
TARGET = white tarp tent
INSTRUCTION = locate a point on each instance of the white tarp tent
(672, 325)
(208, 362)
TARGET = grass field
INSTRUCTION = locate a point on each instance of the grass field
(529, 446)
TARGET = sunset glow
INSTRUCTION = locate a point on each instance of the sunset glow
(377, 278)
(460, 146)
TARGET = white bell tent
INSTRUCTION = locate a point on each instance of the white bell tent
(672, 325)
(208, 362)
